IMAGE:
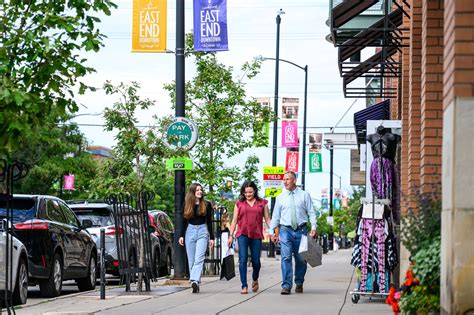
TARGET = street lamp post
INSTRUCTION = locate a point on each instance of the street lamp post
(271, 247)
(305, 69)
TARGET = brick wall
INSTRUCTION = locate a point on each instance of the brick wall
(403, 110)
(414, 100)
(431, 95)
(458, 49)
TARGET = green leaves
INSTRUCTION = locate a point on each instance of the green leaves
(39, 62)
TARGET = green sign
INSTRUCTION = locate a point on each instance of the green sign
(181, 133)
(179, 164)
(315, 162)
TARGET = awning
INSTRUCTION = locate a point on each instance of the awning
(379, 111)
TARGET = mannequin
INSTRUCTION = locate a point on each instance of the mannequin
(383, 172)
(384, 143)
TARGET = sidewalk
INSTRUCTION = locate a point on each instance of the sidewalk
(324, 293)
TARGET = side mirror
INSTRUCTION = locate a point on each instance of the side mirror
(86, 223)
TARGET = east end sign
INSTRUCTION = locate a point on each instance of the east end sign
(182, 133)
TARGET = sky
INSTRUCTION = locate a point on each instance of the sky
(251, 32)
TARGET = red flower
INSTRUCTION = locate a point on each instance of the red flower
(392, 301)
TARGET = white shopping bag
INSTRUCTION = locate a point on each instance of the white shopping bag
(311, 251)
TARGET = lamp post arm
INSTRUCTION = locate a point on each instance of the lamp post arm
(283, 60)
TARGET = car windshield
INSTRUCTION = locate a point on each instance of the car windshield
(99, 217)
(22, 209)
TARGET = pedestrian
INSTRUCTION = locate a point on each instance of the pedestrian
(197, 215)
(292, 209)
(249, 212)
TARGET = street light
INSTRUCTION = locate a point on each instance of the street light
(305, 69)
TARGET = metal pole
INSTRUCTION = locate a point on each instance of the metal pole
(331, 167)
(102, 264)
(303, 166)
(271, 247)
(179, 177)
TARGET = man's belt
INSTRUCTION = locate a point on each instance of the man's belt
(301, 226)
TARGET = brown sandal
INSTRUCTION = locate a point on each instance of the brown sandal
(255, 286)
(244, 291)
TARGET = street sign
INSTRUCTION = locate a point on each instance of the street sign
(179, 164)
(182, 133)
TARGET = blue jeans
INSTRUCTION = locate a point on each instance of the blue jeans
(255, 248)
(289, 245)
(196, 245)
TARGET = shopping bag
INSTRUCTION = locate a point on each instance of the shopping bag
(228, 265)
(311, 251)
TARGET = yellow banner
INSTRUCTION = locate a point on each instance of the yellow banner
(149, 26)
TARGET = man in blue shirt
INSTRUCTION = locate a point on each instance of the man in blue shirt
(292, 209)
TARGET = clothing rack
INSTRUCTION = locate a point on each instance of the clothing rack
(357, 293)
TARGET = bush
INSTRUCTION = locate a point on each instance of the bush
(421, 235)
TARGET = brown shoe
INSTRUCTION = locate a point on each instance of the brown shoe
(244, 291)
(254, 286)
(285, 291)
(299, 288)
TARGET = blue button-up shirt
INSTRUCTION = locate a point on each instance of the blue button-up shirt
(282, 211)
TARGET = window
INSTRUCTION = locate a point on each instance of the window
(54, 212)
(69, 215)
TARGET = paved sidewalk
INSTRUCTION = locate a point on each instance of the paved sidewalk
(325, 292)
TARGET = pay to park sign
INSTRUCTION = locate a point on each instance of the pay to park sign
(182, 133)
(273, 180)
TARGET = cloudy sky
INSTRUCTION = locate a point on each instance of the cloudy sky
(251, 32)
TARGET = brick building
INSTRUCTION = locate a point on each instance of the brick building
(424, 62)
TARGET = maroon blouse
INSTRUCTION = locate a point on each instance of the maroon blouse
(250, 219)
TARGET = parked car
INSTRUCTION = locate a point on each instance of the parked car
(58, 245)
(18, 268)
(101, 215)
(164, 230)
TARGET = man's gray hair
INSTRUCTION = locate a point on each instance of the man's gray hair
(292, 174)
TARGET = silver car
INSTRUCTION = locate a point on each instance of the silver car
(19, 272)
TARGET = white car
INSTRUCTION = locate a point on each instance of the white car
(19, 273)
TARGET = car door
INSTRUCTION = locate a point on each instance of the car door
(80, 239)
(61, 233)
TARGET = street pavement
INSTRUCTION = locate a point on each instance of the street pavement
(326, 291)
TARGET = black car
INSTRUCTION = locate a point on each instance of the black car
(59, 247)
(165, 232)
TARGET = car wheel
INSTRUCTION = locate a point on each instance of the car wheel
(88, 283)
(166, 269)
(156, 264)
(52, 286)
(20, 295)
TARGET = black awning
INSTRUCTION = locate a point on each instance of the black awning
(379, 111)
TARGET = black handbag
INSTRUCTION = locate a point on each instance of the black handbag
(228, 267)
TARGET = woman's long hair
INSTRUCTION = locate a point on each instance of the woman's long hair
(190, 201)
(246, 184)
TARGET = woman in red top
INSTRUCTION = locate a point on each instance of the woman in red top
(249, 212)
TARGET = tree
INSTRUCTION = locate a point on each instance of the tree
(56, 149)
(226, 119)
(39, 64)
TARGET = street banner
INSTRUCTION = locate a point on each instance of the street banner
(149, 26)
(264, 102)
(68, 182)
(289, 108)
(289, 134)
(315, 142)
(273, 180)
(210, 25)
(292, 158)
(315, 162)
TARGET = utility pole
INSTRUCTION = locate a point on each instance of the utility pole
(179, 177)
(271, 246)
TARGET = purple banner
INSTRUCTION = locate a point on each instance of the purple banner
(289, 134)
(210, 25)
